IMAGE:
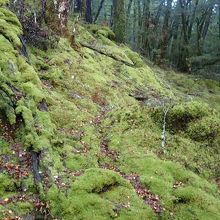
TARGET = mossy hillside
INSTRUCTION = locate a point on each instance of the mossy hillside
(128, 127)
(21, 94)
(89, 98)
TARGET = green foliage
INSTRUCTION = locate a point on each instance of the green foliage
(4, 145)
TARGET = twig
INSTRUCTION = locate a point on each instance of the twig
(163, 136)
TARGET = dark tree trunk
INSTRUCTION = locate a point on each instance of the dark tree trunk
(44, 6)
(99, 10)
(192, 20)
(88, 17)
(78, 6)
(184, 42)
(158, 14)
(219, 18)
(165, 30)
(145, 44)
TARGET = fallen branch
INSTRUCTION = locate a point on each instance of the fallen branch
(163, 136)
(99, 50)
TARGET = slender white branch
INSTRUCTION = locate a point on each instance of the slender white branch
(35, 17)
(163, 136)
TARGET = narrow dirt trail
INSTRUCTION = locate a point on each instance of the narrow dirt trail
(149, 198)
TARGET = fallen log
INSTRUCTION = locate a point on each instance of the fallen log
(103, 52)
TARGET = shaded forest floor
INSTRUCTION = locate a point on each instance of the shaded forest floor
(80, 134)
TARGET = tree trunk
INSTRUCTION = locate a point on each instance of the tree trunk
(144, 15)
(184, 42)
(219, 18)
(78, 5)
(99, 10)
(192, 20)
(119, 20)
(165, 30)
(88, 17)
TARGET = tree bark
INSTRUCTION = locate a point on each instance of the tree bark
(119, 20)
(99, 10)
(192, 19)
(165, 30)
(219, 18)
(88, 17)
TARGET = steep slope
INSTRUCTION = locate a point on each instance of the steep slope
(80, 133)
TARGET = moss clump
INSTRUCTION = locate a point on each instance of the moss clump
(7, 185)
(4, 145)
(3, 2)
(180, 115)
(97, 194)
(134, 57)
(206, 129)
(103, 31)
(10, 27)
(7, 102)
(193, 202)
(161, 176)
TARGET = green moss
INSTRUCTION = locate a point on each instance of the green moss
(134, 57)
(79, 162)
(26, 114)
(33, 91)
(7, 184)
(104, 31)
(206, 129)
(9, 30)
(56, 199)
(5, 149)
(96, 194)
(21, 208)
(9, 17)
(180, 115)
(200, 158)
(6, 103)
(194, 203)
(3, 2)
